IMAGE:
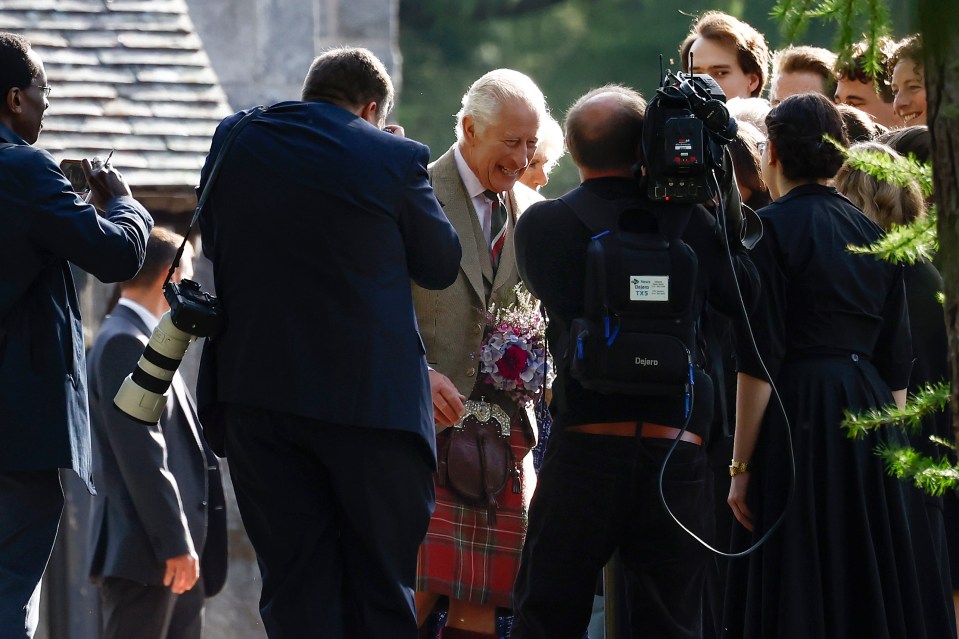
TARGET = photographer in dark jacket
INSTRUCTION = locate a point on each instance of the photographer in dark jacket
(329, 430)
(598, 486)
(44, 419)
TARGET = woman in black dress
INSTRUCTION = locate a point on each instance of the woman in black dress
(832, 333)
(889, 204)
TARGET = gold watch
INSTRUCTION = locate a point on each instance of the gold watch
(738, 468)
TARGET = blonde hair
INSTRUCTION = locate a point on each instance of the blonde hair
(884, 203)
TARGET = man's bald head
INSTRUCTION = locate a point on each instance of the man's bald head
(604, 129)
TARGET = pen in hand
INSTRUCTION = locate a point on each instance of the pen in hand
(97, 163)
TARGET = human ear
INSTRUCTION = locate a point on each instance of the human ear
(14, 100)
(469, 128)
(370, 113)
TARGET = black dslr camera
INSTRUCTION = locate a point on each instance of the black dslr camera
(687, 125)
(192, 314)
(192, 310)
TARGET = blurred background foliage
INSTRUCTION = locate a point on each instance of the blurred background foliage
(566, 46)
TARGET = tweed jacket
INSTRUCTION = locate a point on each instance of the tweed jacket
(452, 320)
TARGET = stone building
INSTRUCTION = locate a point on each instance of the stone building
(150, 80)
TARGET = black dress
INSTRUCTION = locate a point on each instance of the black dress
(929, 343)
(833, 331)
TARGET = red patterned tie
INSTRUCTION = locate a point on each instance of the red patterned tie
(497, 225)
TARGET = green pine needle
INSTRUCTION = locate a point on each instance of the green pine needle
(929, 399)
(934, 476)
(945, 443)
(909, 243)
(901, 171)
(852, 18)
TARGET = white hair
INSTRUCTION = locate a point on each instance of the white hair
(485, 97)
(551, 141)
(752, 110)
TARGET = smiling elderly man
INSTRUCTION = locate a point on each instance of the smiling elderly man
(476, 182)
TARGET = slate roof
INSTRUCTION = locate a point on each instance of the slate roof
(126, 75)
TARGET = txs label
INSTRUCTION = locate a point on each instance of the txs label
(649, 288)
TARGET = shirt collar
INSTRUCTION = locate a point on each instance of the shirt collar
(470, 182)
(148, 318)
(808, 189)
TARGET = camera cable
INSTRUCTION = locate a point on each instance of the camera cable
(721, 220)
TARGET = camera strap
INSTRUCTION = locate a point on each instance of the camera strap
(208, 187)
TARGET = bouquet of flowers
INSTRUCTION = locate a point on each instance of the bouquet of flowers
(513, 356)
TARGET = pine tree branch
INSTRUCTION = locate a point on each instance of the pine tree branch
(929, 399)
(851, 17)
(898, 171)
(909, 243)
(934, 476)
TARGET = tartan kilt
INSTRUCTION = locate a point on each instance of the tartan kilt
(463, 556)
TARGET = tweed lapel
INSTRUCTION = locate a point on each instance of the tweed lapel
(449, 190)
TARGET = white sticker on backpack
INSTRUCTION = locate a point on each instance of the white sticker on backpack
(649, 288)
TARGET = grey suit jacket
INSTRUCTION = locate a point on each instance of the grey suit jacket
(153, 481)
(452, 320)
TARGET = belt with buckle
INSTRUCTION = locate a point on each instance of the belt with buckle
(646, 429)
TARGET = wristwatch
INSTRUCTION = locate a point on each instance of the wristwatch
(738, 468)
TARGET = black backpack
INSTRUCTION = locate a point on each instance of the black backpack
(637, 335)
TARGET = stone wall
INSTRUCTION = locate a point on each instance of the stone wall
(261, 49)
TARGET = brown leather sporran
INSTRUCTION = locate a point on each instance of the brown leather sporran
(476, 461)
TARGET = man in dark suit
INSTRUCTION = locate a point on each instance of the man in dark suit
(158, 483)
(44, 419)
(316, 223)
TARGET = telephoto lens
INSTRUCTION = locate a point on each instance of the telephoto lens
(142, 395)
(192, 314)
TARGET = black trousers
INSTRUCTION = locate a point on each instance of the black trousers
(30, 507)
(134, 609)
(336, 515)
(596, 494)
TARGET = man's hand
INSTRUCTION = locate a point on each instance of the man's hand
(447, 401)
(395, 129)
(181, 572)
(105, 181)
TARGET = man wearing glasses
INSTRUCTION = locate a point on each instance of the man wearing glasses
(44, 417)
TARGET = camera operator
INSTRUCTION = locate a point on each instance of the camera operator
(44, 421)
(598, 486)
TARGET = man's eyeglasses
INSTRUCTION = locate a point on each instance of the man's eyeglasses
(46, 90)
